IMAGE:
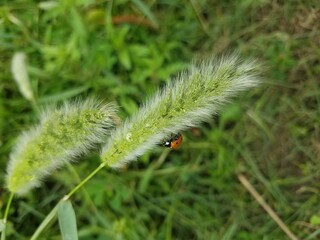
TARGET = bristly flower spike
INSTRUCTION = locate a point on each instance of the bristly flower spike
(193, 97)
(63, 134)
(20, 75)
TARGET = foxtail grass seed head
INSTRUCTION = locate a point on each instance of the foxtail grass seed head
(193, 97)
(63, 134)
(20, 75)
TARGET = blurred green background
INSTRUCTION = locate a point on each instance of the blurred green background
(122, 51)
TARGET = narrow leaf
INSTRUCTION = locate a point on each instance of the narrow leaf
(146, 11)
(2, 225)
(67, 221)
(62, 96)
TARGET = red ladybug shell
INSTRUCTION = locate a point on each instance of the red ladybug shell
(174, 142)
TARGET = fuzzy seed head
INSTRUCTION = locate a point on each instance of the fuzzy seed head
(20, 75)
(63, 134)
(193, 97)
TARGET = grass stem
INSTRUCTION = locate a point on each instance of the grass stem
(53, 212)
(5, 218)
(48, 219)
(102, 165)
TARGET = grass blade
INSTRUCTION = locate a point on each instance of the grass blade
(67, 221)
(146, 11)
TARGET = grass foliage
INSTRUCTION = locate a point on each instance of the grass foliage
(121, 51)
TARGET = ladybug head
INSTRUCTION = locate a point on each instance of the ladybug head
(166, 143)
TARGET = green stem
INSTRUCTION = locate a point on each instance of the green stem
(45, 222)
(35, 107)
(53, 212)
(102, 165)
(87, 197)
(6, 213)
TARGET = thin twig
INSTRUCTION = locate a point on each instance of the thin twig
(133, 20)
(266, 207)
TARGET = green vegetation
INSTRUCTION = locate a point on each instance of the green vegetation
(122, 51)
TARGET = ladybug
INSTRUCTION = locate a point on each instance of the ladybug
(173, 142)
